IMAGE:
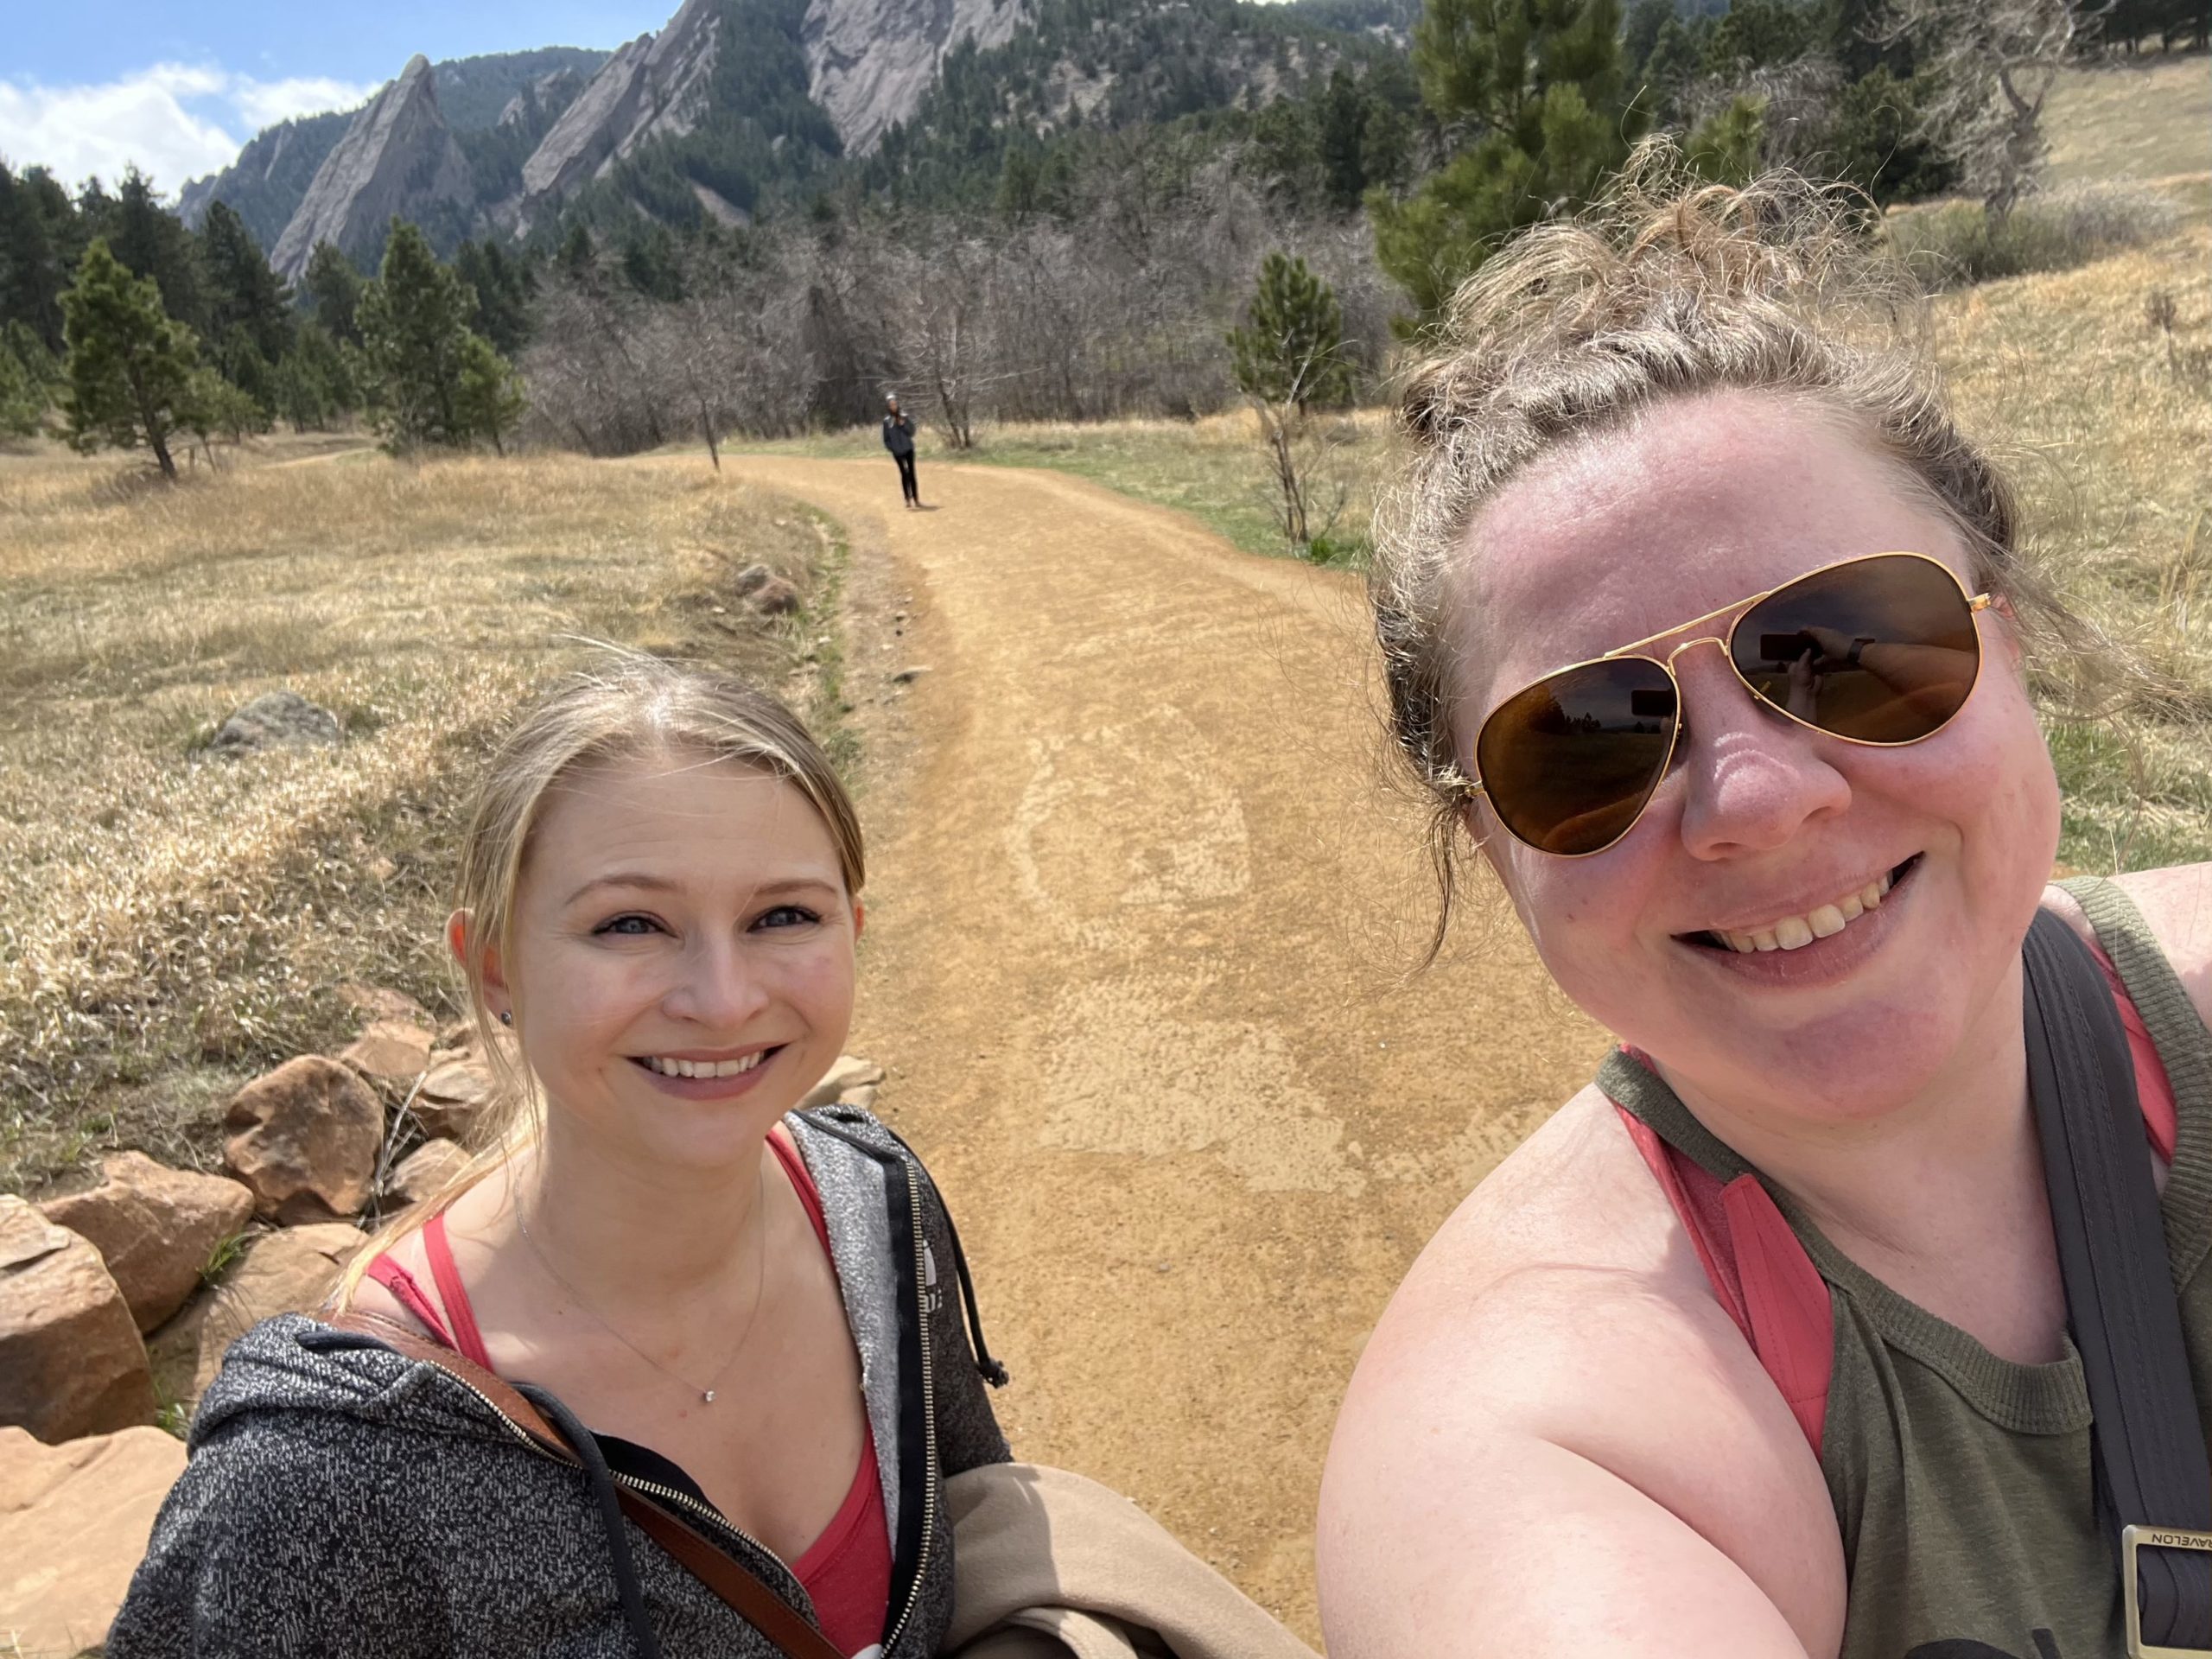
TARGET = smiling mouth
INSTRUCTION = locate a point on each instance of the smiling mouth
(670, 1067)
(1796, 932)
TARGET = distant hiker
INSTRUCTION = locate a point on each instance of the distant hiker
(898, 439)
(1709, 634)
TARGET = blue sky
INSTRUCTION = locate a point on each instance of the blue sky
(85, 87)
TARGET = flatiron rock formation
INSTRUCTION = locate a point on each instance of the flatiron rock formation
(398, 157)
(869, 62)
(654, 86)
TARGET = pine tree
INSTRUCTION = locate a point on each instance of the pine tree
(1291, 347)
(491, 397)
(151, 241)
(1287, 356)
(335, 286)
(24, 394)
(130, 365)
(503, 293)
(243, 293)
(1724, 147)
(31, 266)
(1538, 84)
(414, 322)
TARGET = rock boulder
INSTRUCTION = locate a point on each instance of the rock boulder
(305, 1138)
(389, 1051)
(843, 1082)
(776, 597)
(153, 1227)
(456, 1092)
(288, 1271)
(275, 720)
(425, 1170)
(71, 1361)
(74, 1519)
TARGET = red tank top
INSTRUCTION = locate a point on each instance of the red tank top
(1759, 1269)
(847, 1571)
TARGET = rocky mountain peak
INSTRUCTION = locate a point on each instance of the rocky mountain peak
(869, 62)
(653, 87)
(398, 156)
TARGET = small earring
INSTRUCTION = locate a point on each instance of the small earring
(506, 1016)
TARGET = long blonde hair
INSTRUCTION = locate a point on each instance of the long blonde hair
(637, 707)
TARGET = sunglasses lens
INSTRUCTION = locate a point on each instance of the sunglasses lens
(1568, 764)
(1882, 650)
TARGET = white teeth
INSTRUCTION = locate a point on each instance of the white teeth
(1823, 922)
(675, 1067)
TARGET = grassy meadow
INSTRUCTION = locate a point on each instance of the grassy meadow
(171, 922)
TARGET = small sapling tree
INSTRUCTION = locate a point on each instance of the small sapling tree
(490, 399)
(1287, 357)
(130, 365)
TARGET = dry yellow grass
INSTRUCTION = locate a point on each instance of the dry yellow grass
(2107, 421)
(169, 921)
(2145, 117)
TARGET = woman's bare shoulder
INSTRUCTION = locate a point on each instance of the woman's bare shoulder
(2176, 903)
(1562, 1305)
(370, 1297)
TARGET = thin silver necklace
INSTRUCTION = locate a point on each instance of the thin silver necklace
(759, 1281)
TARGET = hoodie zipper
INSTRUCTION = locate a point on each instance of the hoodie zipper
(929, 1406)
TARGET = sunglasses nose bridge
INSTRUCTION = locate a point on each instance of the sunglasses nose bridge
(1702, 639)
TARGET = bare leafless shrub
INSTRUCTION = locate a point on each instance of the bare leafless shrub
(1115, 308)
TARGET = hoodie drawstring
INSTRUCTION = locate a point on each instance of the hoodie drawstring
(586, 1448)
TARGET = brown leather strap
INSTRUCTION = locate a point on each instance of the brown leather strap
(752, 1598)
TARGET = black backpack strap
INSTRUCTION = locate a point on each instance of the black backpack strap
(2153, 1479)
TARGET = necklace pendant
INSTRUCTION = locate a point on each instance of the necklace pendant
(709, 1396)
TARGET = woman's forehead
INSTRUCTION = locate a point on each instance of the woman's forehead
(681, 808)
(1698, 504)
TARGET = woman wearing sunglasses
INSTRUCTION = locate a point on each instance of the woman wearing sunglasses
(1704, 623)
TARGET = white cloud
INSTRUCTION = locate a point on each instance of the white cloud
(264, 103)
(174, 121)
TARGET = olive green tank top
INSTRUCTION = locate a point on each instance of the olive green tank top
(1961, 1481)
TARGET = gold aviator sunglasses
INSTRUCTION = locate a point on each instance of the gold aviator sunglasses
(1880, 649)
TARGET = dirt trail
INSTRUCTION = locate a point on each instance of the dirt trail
(1137, 916)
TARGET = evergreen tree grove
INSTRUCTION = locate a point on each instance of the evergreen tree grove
(414, 323)
(429, 377)
(1537, 85)
(130, 365)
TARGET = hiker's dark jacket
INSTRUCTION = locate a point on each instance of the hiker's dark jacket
(899, 433)
(344, 1500)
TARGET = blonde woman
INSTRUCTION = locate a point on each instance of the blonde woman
(1707, 625)
(747, 1314)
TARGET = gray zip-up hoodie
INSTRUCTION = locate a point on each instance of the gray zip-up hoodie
(344, 1500)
